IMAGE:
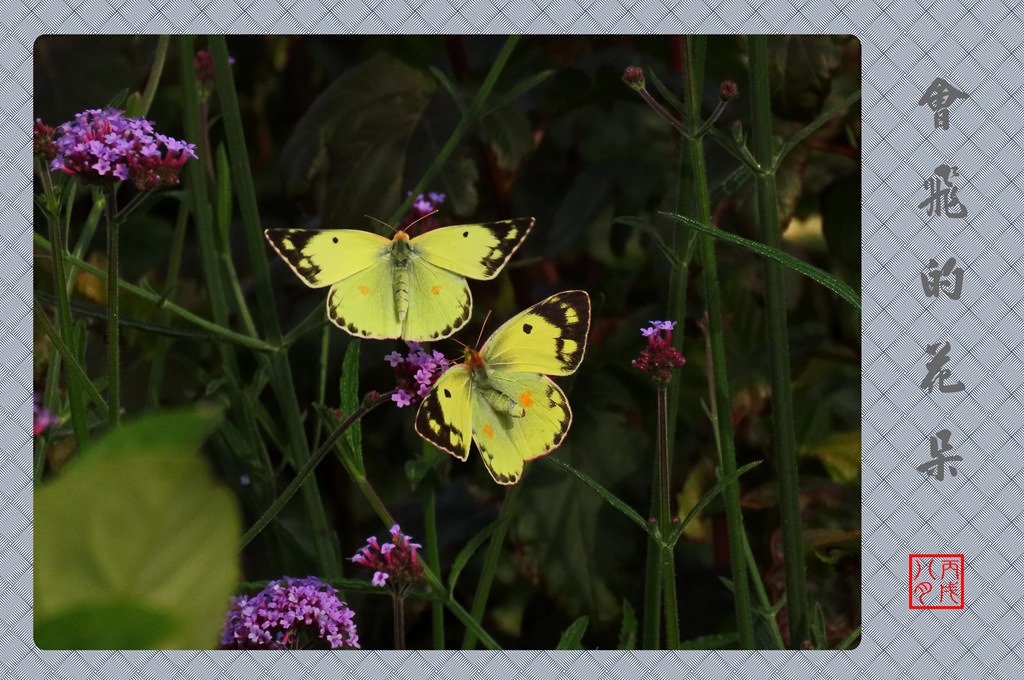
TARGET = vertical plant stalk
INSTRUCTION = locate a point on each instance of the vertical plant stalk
(60, 287)
(113, 312)
(325, 543)
(398, 614)
(782, 400)
(159, 59)
(434, 560)
(720, 387)
(668, 571)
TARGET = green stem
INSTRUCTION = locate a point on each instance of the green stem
(782, 401)
(434, 560)
(113, 307)
(75, 396)
(483, 589)
(398, 612)
(154, 75)
(71, 363)
(652, 594)
(163, 344)
(734, 516)
(468, 119)
(325, 542)
(160, 301)
(664, 525)
(303, 474)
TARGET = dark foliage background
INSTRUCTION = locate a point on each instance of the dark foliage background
(342, 127)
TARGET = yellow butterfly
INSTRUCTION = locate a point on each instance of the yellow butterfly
(409, 288)
(501, 397)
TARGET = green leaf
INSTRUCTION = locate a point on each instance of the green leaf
(840, 222)
(819, 638)
(507, 130)
(350, 401)
(462, 559)
(607, 495)
(107, 625)
(572, 638)
(627, 633)
(802, 68)
(812, 272)
(137, 526)
(352, 143)
(647, 227)
(677, 531)
(840, 454)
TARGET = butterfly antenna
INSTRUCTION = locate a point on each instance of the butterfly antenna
(371, 217)
(482, 326)
(420, 219)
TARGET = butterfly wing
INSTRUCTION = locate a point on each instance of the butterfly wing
(506, 441)
(323, 257)
(478, 251)
(439, 302)
(445, 417)
(550, 337)
(357, 266)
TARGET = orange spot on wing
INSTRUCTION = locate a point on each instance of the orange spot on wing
(526, 399)
(365, 290)
(489, 431)
(436, 289)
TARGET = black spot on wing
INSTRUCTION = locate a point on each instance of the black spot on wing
(527, 328)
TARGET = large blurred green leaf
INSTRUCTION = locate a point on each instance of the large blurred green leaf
(802, 69)
(507, 130)
(137, 540)
(351, 145)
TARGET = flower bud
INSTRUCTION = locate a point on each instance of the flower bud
(634, 77)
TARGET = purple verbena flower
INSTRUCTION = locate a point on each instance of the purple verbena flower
(41, 418)
(422, 206)
(659, 358)
(396, 564)
(290, 614)
(416, 373)
(101, 146)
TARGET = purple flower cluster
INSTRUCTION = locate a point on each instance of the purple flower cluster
(290, 614)
(416, 373)
(395, 564)
(101, 146)
(41, 418)
(421, 207)
(659, 358)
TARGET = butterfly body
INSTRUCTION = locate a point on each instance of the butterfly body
(412, 288)
(502, 398)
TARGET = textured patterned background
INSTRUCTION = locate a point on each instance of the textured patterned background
(976, 45)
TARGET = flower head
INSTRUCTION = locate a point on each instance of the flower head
(203, 64)
(41, 418)
(290, 614)
(634, 77)
(659, 358)
(103, 146)
(416, 373)
(395, 564)
(421, 207)
(728, 91)
(42, 140)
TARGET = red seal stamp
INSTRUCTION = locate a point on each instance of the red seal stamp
(936, 581)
